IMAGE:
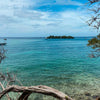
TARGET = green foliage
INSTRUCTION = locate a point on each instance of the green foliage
(94, 43)
(94, 21)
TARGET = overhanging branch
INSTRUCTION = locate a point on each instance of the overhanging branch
(26, 91)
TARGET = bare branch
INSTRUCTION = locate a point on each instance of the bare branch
(4, 89)
(36, 89)
(24, 95)
(93, 1)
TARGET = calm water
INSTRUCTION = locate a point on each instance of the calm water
(63, 64)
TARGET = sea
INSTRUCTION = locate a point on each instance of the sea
(63, 64)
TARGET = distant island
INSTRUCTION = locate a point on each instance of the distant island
(59, 37)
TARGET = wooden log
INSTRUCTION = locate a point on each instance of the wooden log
(36, 89)
(25, 96)
(4, 89)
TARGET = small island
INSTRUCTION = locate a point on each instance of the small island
(59, 37)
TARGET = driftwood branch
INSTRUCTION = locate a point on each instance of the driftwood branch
(24, 95)
(26, 91)
(4, 89)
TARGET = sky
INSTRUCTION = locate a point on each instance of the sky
(41, 18)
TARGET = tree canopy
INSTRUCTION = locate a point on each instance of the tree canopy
(60, 37)
(94, 21)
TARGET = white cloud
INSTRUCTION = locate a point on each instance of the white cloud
(57, 2)
(68, 2)
(17, 19)
(29, 14)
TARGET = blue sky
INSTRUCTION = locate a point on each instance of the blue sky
(39, 18)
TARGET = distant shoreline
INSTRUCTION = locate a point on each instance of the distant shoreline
(23, 37)
(40, 37)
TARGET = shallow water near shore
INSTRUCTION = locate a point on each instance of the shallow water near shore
(60, 63)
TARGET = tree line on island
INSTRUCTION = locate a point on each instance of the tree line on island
(59, 37)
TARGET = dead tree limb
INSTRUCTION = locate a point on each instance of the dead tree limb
(24, 95)
(26, 91)
(4, 89)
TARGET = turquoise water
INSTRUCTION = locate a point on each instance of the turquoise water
(60, 63)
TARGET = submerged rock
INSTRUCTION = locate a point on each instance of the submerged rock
(87, 94)
(98, 98)
(95, 97)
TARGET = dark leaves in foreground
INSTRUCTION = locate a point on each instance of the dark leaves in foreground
(94, 43)
(94, 21)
